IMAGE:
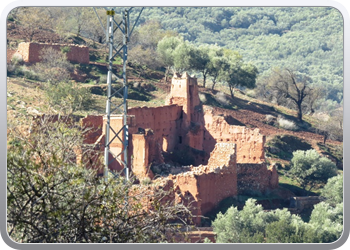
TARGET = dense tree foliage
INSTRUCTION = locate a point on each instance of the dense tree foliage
(143, 46)
(165, 49)
(69, 97)
(253, 225)
(33, 20)
(310, 169)
(221, 64)
(333, 190)
(307, 39)
(237, 73)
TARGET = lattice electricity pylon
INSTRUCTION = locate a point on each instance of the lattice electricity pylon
(121, 108)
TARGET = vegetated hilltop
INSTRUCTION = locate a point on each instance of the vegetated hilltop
(28, 94)
(307, 39)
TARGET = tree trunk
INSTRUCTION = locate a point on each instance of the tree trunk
(300, 113)
(231, 90)
(204, 79)
(214, 81)
(212, 87)
(166, 75)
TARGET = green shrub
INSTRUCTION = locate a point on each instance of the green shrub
(253, 225)
(17, 59)
(146, 181)
(310, 169)
(65, 49)
(333, 190)
(70, 96)
(53, 67)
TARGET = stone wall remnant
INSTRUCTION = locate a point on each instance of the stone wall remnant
(250, 143)
(203, 187)
(298, 204)
(31, 52)
(253, 178)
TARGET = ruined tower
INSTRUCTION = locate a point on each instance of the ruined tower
(184, 92)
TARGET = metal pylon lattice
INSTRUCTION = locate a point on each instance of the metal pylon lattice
(112, 107)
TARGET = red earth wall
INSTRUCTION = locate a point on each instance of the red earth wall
(250, 143)
(93, 123)
(30, 52)
(163, 121)
(203, 187)
(152, 131)
(184, 92)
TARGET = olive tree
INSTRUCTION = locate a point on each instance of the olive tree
(310, 169)
(165, 50)
(201, 61)
(238, 73)
(218, 64)
(333, 190)
(238, 226)
(253, 225)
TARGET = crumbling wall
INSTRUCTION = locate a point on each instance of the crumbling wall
(256, 178)
(150, 130)
(203, 187)
(250, 143)
(306, 202)
(92, 123)
(202, 129)
(163, 121)
(145, 150)
(31, 52)
(160, 128)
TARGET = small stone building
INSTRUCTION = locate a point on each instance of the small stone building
(31, 52)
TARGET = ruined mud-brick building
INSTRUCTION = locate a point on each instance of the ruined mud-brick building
(226, 160)
(31, 52)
